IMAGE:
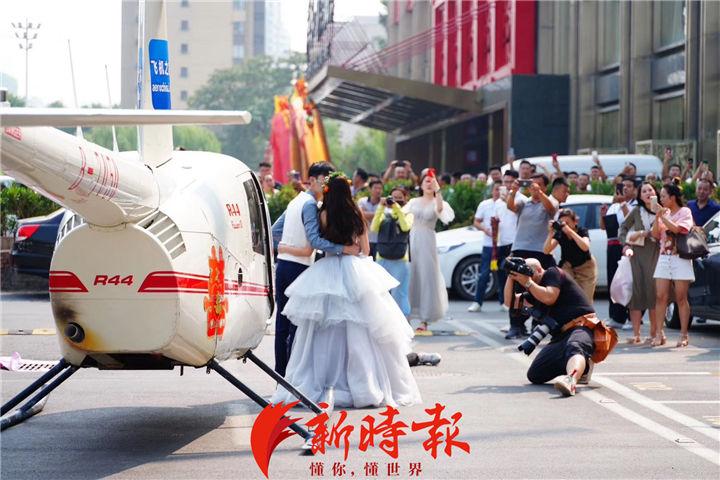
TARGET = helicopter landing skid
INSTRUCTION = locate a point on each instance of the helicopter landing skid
(63, 370)
(58, 374)
(284, 383)
(305, 434)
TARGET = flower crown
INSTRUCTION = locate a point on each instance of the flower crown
(331, 177)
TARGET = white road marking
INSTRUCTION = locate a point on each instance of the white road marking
(649, 374)
(659, 408)
(689, 401)
(649, 403)
(658, 386)
(490, 341)
(714, 419)
(630, 415)
(654, 427)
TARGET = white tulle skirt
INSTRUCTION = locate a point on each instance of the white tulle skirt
(351, 336)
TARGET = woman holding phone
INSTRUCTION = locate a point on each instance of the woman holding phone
(642, 248)
(428, 296)
(673, 219)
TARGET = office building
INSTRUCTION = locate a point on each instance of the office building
(204, 36)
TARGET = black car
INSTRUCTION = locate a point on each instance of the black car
(35, 243)
(704, 293)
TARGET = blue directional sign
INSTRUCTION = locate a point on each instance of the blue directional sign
(159, 74)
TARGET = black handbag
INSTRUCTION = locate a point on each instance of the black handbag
(692, 245)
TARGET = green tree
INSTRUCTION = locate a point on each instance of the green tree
(189, 137)
(126, 137)
(15, 101)
(367, 149)
(334, 143)
(250, 86)
(192, 137)
(17, 201)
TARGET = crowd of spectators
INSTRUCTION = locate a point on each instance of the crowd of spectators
(521, 209)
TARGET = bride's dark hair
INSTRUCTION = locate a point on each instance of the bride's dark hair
(343, 220)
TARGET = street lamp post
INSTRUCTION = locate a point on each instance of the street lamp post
(26, 33)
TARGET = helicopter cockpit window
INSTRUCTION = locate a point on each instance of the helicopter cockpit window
(256, 225)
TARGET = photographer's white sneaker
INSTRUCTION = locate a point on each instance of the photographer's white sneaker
(475, 307)
(566, 385)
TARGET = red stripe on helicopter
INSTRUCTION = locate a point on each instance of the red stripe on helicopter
(179, 282)
(65, 282)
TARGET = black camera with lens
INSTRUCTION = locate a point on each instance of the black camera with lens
(389, 201)
(543, 323)
(557, 225)
(518, 265)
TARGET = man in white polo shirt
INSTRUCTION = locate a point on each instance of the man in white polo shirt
(493, 207)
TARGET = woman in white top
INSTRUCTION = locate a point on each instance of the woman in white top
(428, 296)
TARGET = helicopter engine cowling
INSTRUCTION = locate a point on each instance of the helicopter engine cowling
(190, 282)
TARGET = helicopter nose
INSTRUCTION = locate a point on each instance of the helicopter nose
(74, 332)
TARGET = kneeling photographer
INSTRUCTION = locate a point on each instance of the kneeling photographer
(560, 308)
(575, 257)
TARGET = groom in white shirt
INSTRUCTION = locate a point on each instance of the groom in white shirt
(299, 226)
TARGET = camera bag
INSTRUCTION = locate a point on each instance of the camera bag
(605, 338)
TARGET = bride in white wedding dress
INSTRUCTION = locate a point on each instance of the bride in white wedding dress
(352, 339)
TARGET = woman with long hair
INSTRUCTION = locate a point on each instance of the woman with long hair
(352, 339)
(428, 296)
(642, 248)
(673, 219)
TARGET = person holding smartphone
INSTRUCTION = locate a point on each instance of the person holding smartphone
(642, 248)
(533, 213)
(368, 206)
(673, 219)
(400, 170)
(687, 172)
(428, 296)
(703, 172)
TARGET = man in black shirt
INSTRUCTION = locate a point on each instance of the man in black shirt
(569, 351)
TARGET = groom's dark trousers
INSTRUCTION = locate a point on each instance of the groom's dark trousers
(285, 273)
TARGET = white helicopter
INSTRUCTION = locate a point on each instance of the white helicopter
(173, 265)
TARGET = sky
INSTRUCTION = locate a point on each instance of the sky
(93, 29)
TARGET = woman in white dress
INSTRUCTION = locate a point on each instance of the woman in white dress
(428, 296)
(352, 339)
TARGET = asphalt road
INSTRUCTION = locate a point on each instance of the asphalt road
(648, 413)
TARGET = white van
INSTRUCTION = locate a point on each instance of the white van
(612, 164)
